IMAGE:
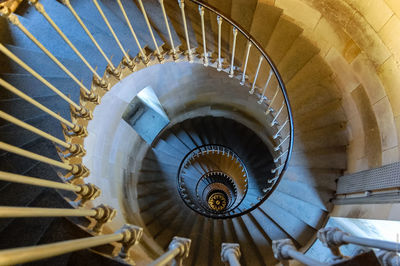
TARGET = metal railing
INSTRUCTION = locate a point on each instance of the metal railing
(386, 252)
(270, 93)
(178, 250)
(274, 85)
(128, 236)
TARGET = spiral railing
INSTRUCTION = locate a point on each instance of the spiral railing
(264, 83)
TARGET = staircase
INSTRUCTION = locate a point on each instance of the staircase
(246, 114)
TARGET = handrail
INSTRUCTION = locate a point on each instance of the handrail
(264, 54)
(77, 170)
(178, 250)
(284, 249)
(334, 238)
(128, 235)
(86, 191)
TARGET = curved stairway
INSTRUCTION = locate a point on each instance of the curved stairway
(296, 209)
(292, 211)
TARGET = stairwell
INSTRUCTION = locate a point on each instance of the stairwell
(206, 107)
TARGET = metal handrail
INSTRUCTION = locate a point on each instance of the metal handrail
(128, 235)
(264, 54)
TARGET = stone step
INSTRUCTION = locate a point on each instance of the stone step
(308, 213)
(294, 226)
(319, 198)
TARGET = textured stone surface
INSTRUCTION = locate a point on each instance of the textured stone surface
(388, 73)
(372, 135)
(330, 35)
(366, 74)
(386, 125)
(305, 15)
(389, 36)
(394, 5)
(376, 12)
(344, 74)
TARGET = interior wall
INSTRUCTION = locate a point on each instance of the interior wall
(359, 41)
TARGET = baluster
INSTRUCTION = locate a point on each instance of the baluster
(128, 235)
(86, 192)
(76, 129)
(77, 170)
(182, 7)
(280, 129)
(174, 55)
(78, 110)
(273, 171)
(102, 214)
(90, 96)
(144, 57)
(284, 250)
(159, 55)
(333, 238)
(230, 254)
(276, 148)
(233, 52)
(127, 59)
(113, 70)
(178, 249)
(39, 7)
(269, 108)
(74, 149)
(205, 59)
(263, 97)
(280, 156)
(245, 63)
(253, 86)
(277, 114)
(219, 64)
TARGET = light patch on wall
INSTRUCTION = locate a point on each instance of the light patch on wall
(146, 115)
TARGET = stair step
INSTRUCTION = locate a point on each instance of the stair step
(88, 10)
(282, 38)
(303, 50)
(165, 147)
(270, 228)
(321, 116)
(177, 222)
(34, 88)
(154, 11)
(63, 18)
(207, 249)
(164, 218)
(196, 228)
(184, 138)
(23, 110)
(61, 229)
(329, 136)
(308, 213)
(21, 164)
(137, 21)
(332, 157)
(306, 193)
(42, 64)
(17, 136)
(315, 177)
(295, 227)
(27, 231)
(257, 240)
(174, 141)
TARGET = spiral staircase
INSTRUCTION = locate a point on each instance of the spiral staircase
(232, 166)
